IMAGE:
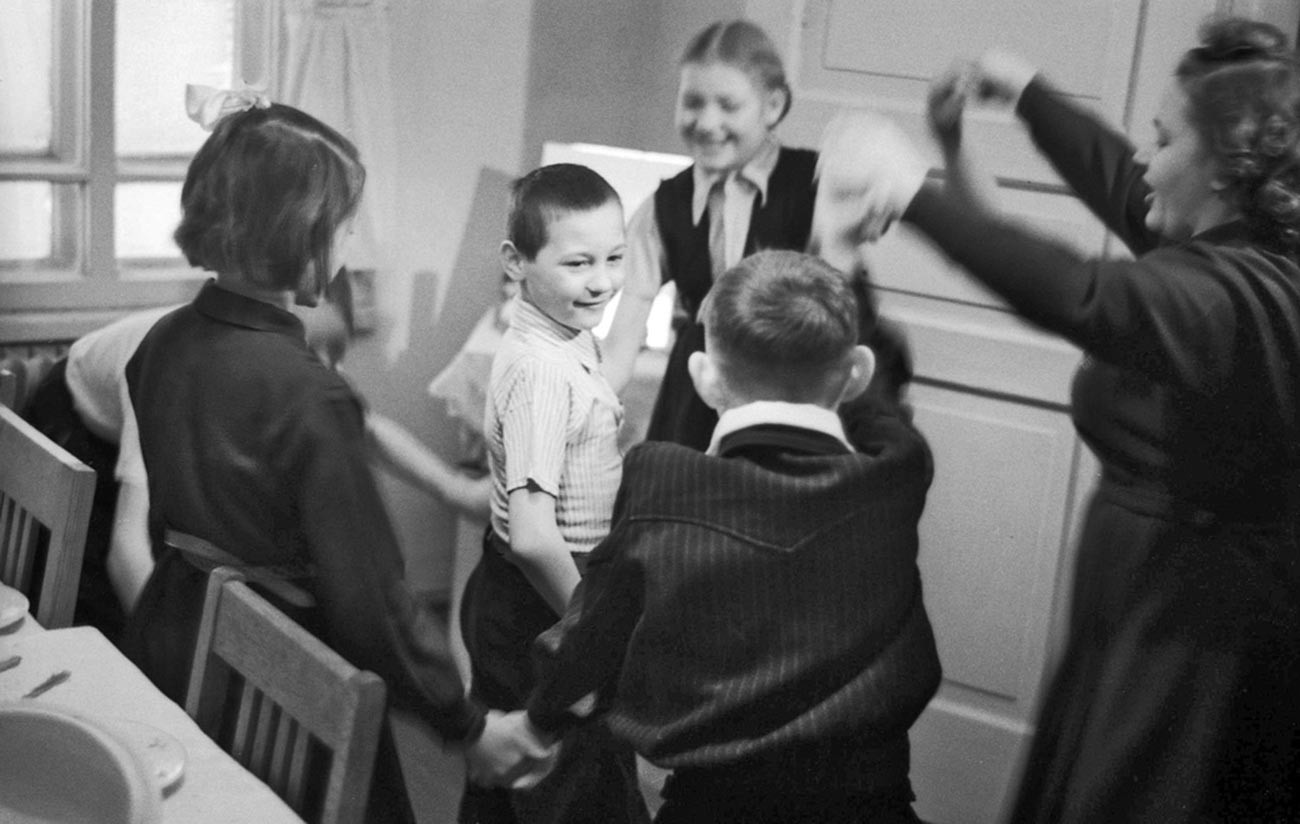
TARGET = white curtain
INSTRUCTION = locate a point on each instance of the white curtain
(333, 63)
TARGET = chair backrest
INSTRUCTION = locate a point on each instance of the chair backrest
(45, 500)
(285, 705)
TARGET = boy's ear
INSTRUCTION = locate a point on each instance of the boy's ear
(862, 367)
(512, 261)
(707, 380)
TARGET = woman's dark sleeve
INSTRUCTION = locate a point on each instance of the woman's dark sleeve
(1167, 314)
(369, 614)
(1094, 160)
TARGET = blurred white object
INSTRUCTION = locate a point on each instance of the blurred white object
(868, 173)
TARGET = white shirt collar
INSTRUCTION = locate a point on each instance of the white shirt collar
(802, 415)
(755, 173)
(541, 329)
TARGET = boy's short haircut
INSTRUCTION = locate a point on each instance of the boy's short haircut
(265, 195)
(782, 318)
(537, 198)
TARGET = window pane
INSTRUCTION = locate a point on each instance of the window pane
(26, 222)
(162, 47)
(26, 109)
(147, 214)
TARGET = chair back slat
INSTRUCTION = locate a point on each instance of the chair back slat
(280, 754)
(296, 770)
(298, 698)
(8, 388)
(26, 544)
(263, 732)
(47, 499)
(241, 738)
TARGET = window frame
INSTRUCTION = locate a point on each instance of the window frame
(84, 284)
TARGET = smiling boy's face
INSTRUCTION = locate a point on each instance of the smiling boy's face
(576, 274)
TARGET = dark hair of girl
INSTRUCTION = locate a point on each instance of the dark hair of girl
(264, 197)
(745, 46)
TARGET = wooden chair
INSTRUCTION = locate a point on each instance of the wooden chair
(284, 704)
(45, 499)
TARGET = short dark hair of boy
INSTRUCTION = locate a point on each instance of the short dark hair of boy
(545, 193)
(781, 320)
(265, 195)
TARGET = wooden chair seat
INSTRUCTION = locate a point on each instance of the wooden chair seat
(45, 500)
(285, 705)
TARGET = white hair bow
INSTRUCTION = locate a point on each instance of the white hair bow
(207, 105)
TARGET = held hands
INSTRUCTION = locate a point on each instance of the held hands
(511, 752)
(997, 76)
(868, 169)
(868, 174)
(1001, 77)
(946, 101)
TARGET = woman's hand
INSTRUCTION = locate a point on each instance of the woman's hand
(946, 101)
(1001, 76)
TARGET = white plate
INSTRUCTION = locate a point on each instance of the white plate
(59, 768)
(13, 606)
(162, 754)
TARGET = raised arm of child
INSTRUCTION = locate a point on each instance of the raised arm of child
(397, 449)
(643, 278)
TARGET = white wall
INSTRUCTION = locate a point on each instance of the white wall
(459, 75)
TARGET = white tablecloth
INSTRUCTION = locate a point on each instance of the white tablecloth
(215, 789)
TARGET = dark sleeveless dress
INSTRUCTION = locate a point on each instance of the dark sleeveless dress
(782, 221)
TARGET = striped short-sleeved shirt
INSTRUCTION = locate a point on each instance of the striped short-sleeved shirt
(552, 420)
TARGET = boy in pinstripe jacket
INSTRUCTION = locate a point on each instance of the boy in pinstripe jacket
(754, 621)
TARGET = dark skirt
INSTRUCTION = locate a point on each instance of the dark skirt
(1176, 698)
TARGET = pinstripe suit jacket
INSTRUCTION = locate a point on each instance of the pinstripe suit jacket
(752, 602)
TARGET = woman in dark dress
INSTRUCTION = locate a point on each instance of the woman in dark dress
(1176, 699)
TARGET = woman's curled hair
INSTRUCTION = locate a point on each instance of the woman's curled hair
(1243, 88)
(264, 197)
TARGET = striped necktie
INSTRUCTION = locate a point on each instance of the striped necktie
(717, 231)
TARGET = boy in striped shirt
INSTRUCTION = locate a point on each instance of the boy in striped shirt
(552, 426)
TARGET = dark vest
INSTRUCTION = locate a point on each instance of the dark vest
(782, 221)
